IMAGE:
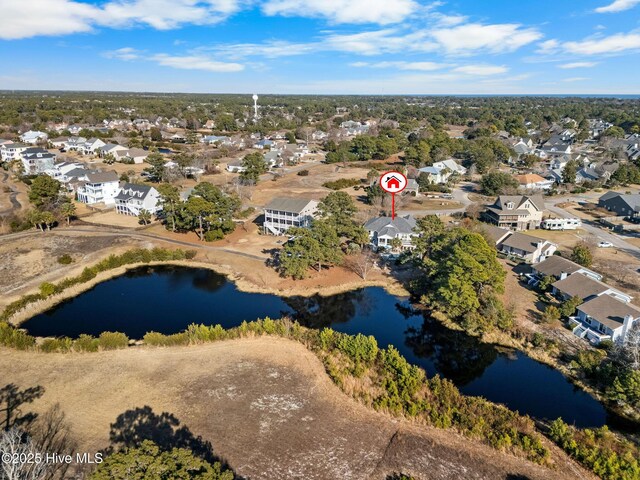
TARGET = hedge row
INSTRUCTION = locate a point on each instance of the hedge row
(139, 255)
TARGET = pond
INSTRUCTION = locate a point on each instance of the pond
(167, 299)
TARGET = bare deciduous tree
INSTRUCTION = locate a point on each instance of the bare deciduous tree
(628, 353)
(362, 263)
(15, 448)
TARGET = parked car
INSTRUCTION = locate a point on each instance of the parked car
(605, 245)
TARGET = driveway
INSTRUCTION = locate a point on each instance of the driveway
(602, 234)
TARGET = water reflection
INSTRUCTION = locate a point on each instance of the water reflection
(167, 299)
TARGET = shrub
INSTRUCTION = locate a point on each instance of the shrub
(15, 338)
(63, 344)
(156, 339)
(86, 343)
(47, 289)
(303, 173)
(342, 183)
(65, 259)
(112, 340)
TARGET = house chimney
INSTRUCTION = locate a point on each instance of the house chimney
(626, 325)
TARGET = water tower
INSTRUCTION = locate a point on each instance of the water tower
(255, 106)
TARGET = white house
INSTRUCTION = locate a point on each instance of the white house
(383, 230)
(585, 288)
(111, 149)
(526, 247)
(75, 143)
(91, 146)
(98, 187)
(12, 151)
(264, 143)
(37, 160)
(132, 199)
(560, 268)
(60, 171)
(283, 213)
(524, 147)
(440, 172)
(138, 155)
(532, 181)
(215, 140)
(33, 137)
(604, 318)
(236, 166)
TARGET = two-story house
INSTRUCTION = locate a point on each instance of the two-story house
(280, 214)
(132, 199)
(98, 187)
(12, 151)
(383, 230)
(516, 212)
(37, 160)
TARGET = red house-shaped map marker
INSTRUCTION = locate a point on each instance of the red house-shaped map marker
(393, 182)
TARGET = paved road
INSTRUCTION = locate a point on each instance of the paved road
(601, 233)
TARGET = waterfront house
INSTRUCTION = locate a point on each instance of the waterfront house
(280, 214)
(604, 318)
(585, 288)
(560, 268)
(132, 199)
(383, 230)
(37, 160)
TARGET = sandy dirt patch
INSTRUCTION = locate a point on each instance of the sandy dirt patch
(266, 406)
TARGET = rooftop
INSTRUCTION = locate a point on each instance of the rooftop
(581, 286)
(609, 311)
(287, 204)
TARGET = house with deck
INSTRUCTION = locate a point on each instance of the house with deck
(604, 318)
(384, 230)
(585, 288)
(527, 247)
(560, 268)
(32, 137)
(132, 199)
(36, 160)
(98, 187)
(12, 151)
(282, 213)
(516, 212)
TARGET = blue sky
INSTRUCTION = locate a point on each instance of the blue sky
(323, 46)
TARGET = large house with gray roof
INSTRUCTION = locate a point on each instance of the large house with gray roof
(383, 230)
(98, 187)
(605, 318)
(36, 160)
(132, 199)
(623, 205)
(280, 214)
(585, 288)
(560, 268)
(516, 212)
(527, 247)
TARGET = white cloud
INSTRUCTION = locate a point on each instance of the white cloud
(605, 45)
(418, 66)
(549, 46)
(24, 19)
(196, 62)
(166, 14)
(568, 66)
(618, 6)
(126, 53)
(61, 17)
(378, 42)
(574, 79)
(472, 37)
(481, 70)
(270, 49)
(382, 12)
